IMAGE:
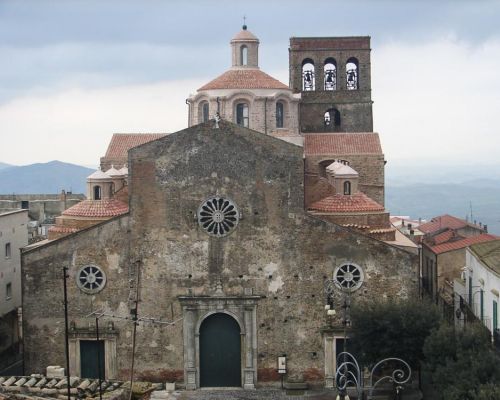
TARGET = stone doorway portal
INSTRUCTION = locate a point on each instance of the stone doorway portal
(220, 352)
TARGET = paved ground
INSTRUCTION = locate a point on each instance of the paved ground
(271, 394)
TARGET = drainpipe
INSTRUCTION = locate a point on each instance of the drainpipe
(265, 115)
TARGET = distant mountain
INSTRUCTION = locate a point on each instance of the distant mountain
(426, 190)
(47, 178)
(3, 165)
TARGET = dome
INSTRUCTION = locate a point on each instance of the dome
(97, 208)
(244, 79)
(244, 35)
(339, 169)
(113, 171)
(99, 175)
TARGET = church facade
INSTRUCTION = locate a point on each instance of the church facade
(233, 226)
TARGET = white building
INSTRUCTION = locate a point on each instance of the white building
(482, 282)
(13, 236)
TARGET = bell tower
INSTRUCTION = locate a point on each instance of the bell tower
(333, 76)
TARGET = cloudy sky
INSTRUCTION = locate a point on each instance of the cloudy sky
(74, 72)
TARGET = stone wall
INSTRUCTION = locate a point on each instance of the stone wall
(41, 207)
(268, 274)
(104, 245)
(277, 252)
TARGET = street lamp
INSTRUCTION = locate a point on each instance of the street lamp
(348, 371)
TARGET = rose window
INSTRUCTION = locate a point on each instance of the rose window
(348, 276)
(90, 279)
(218, 216)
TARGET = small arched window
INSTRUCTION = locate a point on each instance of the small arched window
(347, 188)
(332, 120)
(280, 114)
(352, 74)
(205, 112)
(97, 193)
(242, 114)
(330, 70)
(244, 55)
(308, 79)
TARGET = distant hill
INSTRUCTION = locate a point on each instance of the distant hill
(426, 190)
(48, 178)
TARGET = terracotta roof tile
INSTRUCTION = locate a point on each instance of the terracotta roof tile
(245, 34)
(446, 236)
(358, 202)
(342, 143)
(62, 229)
(460, 244)
(121, 143)
(97, 208)
(247, 78)
(443, 221)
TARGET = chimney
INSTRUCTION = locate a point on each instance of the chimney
(485, 227)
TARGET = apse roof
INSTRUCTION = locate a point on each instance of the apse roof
(97, 208)
(358, 202)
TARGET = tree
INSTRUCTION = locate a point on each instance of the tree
(462, 363)
(392, 329)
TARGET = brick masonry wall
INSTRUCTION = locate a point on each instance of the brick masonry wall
(369, 166)
(355, 106)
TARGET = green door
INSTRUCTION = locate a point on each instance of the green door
(220, 352)
(91, 351)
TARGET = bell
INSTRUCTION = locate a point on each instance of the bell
(350, 78)
(329, 78)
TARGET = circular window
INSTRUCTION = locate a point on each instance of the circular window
(218, 216)
(348, 276)
(90, 279)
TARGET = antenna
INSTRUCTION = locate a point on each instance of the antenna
(471, 217)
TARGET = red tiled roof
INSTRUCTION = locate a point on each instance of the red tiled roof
(341, 143)
(338, 203)
(446, 236)
(247, 78)
(443, 221)
(97, 208)
(121, 143)
(460, 244)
